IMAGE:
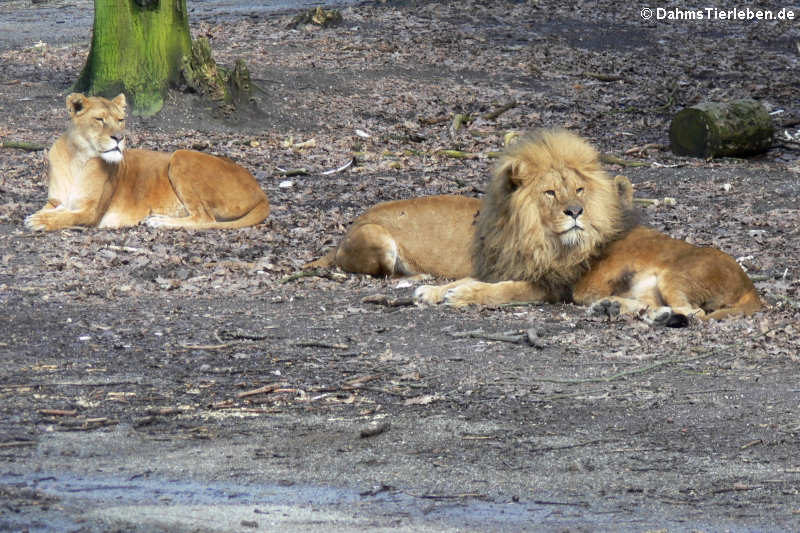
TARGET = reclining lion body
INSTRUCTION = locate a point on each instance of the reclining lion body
(554, 227)
(95, 181)
(647, 270)
(429, 235)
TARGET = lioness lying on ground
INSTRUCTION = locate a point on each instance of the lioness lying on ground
(554, 227)
(94, 181)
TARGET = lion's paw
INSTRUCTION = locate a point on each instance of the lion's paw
(43, 220)
(158, 221)
(34, 222)
(607, 308)
(665, 316)
(428, 294)
(462, 295)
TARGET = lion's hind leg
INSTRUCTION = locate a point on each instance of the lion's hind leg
(613, 306)
(215, 192)
(200, 219)
(371, 249)
(647, 294)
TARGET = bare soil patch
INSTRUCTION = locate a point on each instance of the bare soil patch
(146, 358)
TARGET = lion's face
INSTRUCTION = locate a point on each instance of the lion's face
(98, 126)
(548, 209)
(559, 196)
(558, 191)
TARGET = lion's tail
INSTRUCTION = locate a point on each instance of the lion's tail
(256, 215)
(325, 261)
(748, 304)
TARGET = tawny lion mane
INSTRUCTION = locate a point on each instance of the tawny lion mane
(95, 181)
(515, 237)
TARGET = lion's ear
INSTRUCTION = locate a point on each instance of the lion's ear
(511, 171)
(121, 102)
(624, 190)
(76, 104)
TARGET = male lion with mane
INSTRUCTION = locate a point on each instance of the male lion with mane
(95, 181)
(554, 227)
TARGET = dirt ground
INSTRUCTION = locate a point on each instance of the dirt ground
(157, 380)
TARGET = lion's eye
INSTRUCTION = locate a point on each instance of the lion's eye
(550, 193)
(579, 190)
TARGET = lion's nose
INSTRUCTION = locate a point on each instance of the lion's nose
(117, 138)
(573, 211)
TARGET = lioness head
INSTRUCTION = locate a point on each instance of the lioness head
(98, 126)
(548, 209)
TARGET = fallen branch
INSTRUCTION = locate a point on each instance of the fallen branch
(614, 160)
(791, 145)
(515, 337)
(751, 444)
(433, 120)
(508, 336)
(266, 389)
(459, 121)
(58, 412)
(320, 344)
(17, 443)
(500, 110)
(319, 272)
(162, 411)
(129, 249)
(603, 77)
(571, 504)
(642, 150)
(668, 200)
(382, 299)
(204, 346)
(625, 373)
(241, 335)
(353, 383)
(458, 154)
(737, 487)
(288, 172)
(21, 145)
(339, 169)
(571, 446)
(88, 423)
(451, 496)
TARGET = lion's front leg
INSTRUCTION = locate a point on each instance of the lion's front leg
(59, 217)
(434, 294)
(469, 291)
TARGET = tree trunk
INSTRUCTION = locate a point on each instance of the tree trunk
(137, 46)
(738, 128)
